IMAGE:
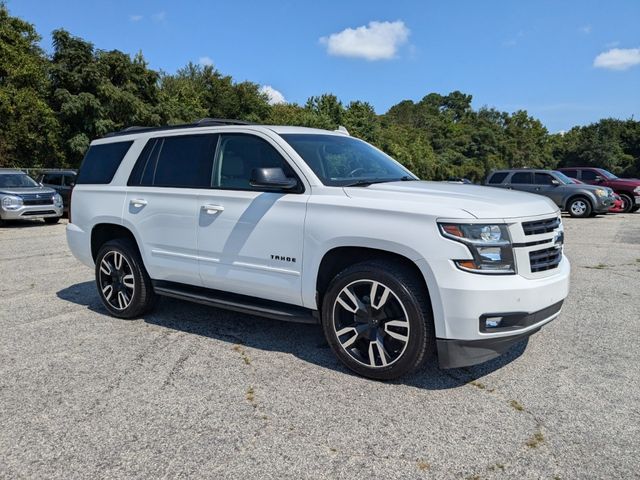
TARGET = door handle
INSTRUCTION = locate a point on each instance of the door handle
(138, 202)
(212, 209)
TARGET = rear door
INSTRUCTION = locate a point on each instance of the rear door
(162, 203)
(250, 240)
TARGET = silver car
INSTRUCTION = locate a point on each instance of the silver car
(21, 198)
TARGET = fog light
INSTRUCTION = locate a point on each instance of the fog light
(492, 322)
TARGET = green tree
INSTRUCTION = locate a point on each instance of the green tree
(29, 131)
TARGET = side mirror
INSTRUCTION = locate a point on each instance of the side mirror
(599, 179)
(272, 179)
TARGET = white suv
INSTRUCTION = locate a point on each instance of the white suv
(315, 226)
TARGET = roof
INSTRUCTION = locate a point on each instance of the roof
(10, 170)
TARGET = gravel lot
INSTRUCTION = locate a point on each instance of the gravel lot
(191, 391)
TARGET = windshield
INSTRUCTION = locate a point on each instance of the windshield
(563, 178)
(17, 180)
(340, 161)
(606, 174)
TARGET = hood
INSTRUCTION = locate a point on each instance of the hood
(476, 200)
(26, 190)
(624, 182)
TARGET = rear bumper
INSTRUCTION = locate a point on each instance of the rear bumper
(463, 353)
(79, 243)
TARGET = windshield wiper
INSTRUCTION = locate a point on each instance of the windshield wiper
(371, 181)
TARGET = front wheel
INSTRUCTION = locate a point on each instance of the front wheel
(377, 318)
(579, 207)
(123, 283)
(51, 220)
(627, 203)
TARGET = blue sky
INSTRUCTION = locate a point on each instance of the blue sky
(567, 63)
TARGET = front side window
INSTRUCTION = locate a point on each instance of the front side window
(239, 155)
(339, 160)
(589, 175)
(543, 179)
(17, 180)
(522, 178)
(52, 179)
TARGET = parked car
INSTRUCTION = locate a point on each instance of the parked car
(618, 203)
(21, 198)
(627, 188)
(62, 181)
(310, 225)
(578, 200)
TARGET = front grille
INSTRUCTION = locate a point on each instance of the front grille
(541, 260)
(30, 199)
(541, 226)
(38, 212)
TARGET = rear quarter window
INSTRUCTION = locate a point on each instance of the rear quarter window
(497, 177)
(101, 162)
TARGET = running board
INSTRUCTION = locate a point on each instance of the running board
(236, 302)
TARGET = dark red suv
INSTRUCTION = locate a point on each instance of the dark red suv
(627, 188)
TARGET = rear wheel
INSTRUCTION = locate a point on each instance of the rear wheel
(377, 319)
(123, 283)
(579, 207)
(627, 203)
(635, 208)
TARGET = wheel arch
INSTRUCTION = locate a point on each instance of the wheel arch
(104, 232)
(575, 196)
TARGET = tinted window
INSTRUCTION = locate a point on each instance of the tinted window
(571, 173)
(498, 177)
(339, 160)
(589, 175)
(183, 161)
(543, 179)
(101, 162)
(52, 179)
(522, 177)
(239, 155)
(69, 179)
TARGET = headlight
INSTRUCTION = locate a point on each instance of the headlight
(489, 244)
(11, 203)
(57, 200)
(601, 193)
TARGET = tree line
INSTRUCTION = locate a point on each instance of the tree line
(52, 106)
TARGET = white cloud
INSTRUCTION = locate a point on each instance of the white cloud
(205, 61)
(618, 59)
(159, 17)
(274, 95)
(376, 41)
(586, 29)
(135, 18)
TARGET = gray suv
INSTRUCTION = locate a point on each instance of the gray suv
(21, 198)
(578, 200)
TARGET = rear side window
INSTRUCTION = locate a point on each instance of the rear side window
(522, 177)
(180, 161)
(498, 177)
(101, 162)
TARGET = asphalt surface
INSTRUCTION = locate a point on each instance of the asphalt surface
(191, 391)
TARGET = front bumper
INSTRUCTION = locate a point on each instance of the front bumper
(31, 211)
(463, 353)
(603, 204)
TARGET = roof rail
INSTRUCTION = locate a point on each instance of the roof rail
(203, 122)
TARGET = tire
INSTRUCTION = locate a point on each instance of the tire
(635, 208)
(369, 344)
(123, 283)
(628, 203)
(579, 207)
(51, 220)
